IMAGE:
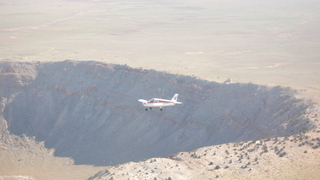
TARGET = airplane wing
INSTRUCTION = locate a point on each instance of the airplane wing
(142, 100)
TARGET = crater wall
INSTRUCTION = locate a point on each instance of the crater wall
(89, 110)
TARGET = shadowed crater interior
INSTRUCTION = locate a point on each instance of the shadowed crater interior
(89, 110)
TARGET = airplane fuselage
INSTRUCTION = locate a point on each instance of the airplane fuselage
(159, 103)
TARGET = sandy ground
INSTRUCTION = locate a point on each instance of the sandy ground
(263, 42)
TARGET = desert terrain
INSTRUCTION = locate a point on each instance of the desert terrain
(269, 43)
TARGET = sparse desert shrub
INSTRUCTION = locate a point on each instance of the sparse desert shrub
(211, 163)
(282, 154)
(194, 155)
(217, 167)
(241, 156)
(265, 149)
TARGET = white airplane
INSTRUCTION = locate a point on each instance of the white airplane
(157, 102)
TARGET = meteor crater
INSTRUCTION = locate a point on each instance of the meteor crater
(89, 111)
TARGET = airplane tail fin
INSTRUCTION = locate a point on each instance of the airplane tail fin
(175, 98)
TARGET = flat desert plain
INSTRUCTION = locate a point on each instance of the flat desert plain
(259, 41)
(264, 42)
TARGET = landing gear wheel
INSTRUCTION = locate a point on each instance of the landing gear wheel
(150, 108)
(160, 109)
(146, 109)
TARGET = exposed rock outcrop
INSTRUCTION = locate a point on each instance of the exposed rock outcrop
(89, 110)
